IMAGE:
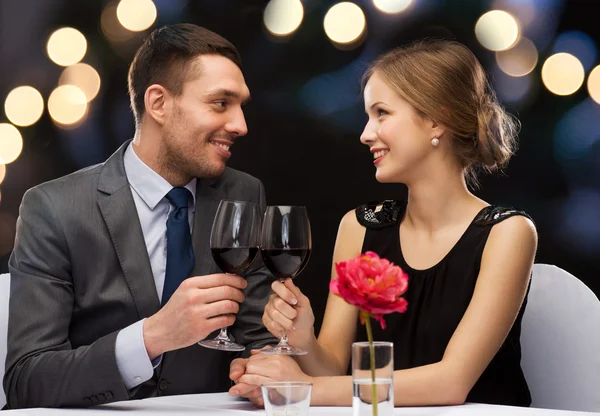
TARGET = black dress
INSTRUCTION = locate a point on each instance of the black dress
(437, 300)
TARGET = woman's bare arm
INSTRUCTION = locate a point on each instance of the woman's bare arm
(330, 355)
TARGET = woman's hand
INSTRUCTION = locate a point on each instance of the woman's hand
(263, 368)
(289, 310)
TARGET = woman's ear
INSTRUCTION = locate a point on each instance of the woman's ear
(437, 130)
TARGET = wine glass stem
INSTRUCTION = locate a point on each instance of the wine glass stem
(283, 342)
(223, 335)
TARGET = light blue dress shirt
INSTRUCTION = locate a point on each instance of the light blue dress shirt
(149, 190)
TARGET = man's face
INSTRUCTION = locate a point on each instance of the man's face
(206, 119)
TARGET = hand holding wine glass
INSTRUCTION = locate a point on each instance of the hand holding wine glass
(285, 248)
(288, 309)
(234, 241)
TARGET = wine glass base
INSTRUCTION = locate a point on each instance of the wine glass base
(283, 350)
(221, 345)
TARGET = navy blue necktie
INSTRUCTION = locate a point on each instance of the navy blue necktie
(180, 254)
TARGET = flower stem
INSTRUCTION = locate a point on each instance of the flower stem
(375, 398)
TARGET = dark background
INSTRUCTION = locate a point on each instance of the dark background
(306, 115)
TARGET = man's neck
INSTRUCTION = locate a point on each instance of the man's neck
(147, 146)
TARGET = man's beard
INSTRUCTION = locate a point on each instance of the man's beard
(181, 162)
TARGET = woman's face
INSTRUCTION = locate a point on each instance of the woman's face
(399, 139)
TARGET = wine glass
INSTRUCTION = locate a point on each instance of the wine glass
(285, 246)
(234, 241)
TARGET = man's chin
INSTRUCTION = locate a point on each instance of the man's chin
(212, 172)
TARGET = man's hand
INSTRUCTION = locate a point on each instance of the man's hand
(199, 306)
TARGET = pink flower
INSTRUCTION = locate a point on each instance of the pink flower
(372, 284)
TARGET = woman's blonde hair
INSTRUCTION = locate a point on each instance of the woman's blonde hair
(443, 81)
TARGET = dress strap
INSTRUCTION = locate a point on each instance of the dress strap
(376, 215)
(494, 214)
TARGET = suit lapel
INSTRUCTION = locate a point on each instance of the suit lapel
(120, 215)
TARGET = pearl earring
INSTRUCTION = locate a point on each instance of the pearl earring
(435, 142)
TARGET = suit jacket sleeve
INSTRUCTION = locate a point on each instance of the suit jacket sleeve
(42, 368)
(248, 328)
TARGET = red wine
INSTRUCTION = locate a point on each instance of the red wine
(234, 260)
(284, 263)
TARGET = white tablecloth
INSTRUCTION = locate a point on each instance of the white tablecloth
(221, 404)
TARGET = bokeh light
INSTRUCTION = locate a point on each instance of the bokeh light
(11, 143)
(344, 23)
(497, 30)
(112, 29)
(392, 6)
(283, 17)
(66, 46)
(524, 11)
(562, 74)
(579, 45)
(171, 10)
(513, 89)
(67, 105)
(2, 172)
(83, 76)
(24, 106)
(593, 84)
(578, 226)
(136, 15)
(519, 60)
(576, 133)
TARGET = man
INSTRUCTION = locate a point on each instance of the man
(98, 310)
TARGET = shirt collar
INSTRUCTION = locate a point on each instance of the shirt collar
(148, 184)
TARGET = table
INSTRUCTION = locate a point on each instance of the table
(221, 404)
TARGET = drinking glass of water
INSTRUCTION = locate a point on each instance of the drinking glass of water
(286, 398)
(373, 378)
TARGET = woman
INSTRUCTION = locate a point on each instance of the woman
(433, 123)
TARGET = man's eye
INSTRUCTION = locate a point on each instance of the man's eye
(220, 104)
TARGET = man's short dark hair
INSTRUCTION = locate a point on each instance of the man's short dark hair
(165, 57)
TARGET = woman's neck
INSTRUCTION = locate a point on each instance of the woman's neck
(436, 202)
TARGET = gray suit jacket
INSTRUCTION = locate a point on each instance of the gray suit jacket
(80, 272)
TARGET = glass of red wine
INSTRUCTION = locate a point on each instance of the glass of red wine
(285, 246)
(234, 241)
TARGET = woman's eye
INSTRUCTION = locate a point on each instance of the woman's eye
(381, 112)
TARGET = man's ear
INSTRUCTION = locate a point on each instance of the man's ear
(157, 102)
